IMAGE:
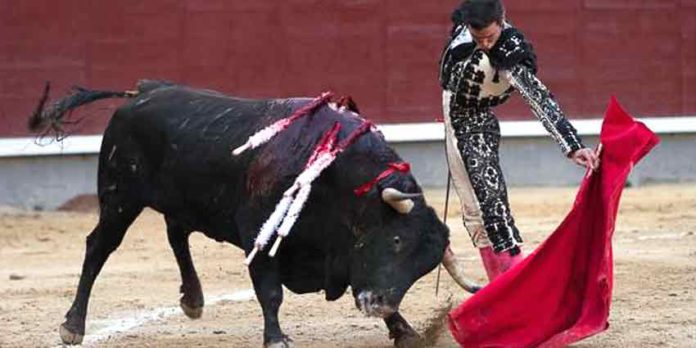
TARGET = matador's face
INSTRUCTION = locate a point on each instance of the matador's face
(486, 37)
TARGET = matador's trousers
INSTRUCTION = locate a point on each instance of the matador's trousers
(472, 140)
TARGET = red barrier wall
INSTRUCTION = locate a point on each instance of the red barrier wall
(382, 52)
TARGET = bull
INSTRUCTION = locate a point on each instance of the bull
(168, 148)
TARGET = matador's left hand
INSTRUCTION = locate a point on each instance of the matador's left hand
(586, 157)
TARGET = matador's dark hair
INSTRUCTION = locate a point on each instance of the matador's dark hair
(478, 13)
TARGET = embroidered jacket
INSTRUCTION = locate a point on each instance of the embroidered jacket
(480, 80)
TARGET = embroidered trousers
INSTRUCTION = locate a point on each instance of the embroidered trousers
(472, 140)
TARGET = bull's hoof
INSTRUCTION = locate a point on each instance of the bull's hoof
(68, 336)
(286, 342)
(191, 312)
(409, 340)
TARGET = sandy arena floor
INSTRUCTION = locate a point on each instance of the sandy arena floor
(134, 302)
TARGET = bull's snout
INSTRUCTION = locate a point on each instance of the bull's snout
(375, 304)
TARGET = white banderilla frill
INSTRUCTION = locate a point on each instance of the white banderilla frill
(288, 210)
(264, 135)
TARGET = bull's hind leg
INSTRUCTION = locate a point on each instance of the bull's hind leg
(114, 220)
(192, 300)
(401, 332)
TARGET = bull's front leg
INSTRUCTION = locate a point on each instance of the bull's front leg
(269, 291)
(402, 333)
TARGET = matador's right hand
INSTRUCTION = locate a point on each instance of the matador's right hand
(586, 157)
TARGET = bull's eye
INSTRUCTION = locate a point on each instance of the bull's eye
(397, 244)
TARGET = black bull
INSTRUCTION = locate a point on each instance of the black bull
(168, 148)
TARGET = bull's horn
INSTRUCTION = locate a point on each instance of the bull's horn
(401, 202)
(457, 273)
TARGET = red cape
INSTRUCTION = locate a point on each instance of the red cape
(561, 293)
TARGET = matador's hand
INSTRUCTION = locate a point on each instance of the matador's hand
(586, 157)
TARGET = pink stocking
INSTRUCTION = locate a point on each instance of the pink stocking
(497, 264)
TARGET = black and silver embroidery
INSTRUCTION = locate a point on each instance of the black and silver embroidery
(512, 49)
(478, 138)
(474, 84)
(545, 108)
(460, 46)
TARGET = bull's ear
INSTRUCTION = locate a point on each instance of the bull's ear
(401, 202)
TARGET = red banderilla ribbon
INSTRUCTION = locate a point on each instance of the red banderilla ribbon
(402, 167)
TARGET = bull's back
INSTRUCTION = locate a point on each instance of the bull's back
(182, 138)
(178, 113)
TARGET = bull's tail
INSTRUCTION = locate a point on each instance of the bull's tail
(53, 119)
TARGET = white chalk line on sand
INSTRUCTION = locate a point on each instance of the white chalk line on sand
(118, 326)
